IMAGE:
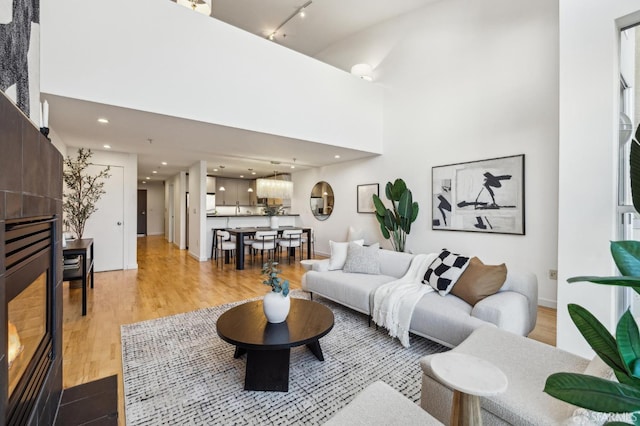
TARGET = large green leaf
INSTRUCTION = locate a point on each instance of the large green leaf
(633, 282)
(380, 208)
(626, 254)
(597, 336)
(390, 221)
(628, 340)
(383, 228)
(593, 393)
(415, 211)
(634, 171)
(397, 189)
(405, 210)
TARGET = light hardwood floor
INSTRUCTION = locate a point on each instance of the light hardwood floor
(168, 281)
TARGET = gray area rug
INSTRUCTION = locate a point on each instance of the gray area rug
(178, 371)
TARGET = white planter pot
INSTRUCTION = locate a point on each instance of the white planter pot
(274, 222)
(276, 307)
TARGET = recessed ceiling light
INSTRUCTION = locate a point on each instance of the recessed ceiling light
(144, 181)
(336, 156)
(164, 163)
(103, 121)
(148, 178)
(215, 170)
(293, 167)
(154, 171)
(241, 176)
(302, 13)
(106, 146)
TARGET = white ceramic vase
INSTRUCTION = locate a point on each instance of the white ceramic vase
(276, 307)
(274, 222)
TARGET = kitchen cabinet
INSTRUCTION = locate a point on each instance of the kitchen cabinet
(211, 185)
(235, 193)
(243, 195)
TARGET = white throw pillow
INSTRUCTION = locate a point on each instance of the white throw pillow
(355, 234)
(339, 254)
(445, 271)
(363, 260)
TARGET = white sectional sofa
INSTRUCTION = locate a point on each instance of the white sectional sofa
(527, 364)
(447, 320)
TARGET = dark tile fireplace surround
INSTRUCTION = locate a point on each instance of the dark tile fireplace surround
(30, 190)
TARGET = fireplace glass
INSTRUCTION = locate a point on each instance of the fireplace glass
(26, 328)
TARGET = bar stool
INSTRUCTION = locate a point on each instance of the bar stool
(291, 238)
(265, 240)
(223, 244)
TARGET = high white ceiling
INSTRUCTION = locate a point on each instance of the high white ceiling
(326, 22)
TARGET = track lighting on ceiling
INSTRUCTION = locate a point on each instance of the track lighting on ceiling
(200, 6)
(301, 11)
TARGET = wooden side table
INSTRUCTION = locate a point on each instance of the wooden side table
(470, 377)
(84, 249)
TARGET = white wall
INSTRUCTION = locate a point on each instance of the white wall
(589, 43)
(155, 207)
(197, 211)
(178, 184)
(464, 81)
(168, 210)
(242, 80)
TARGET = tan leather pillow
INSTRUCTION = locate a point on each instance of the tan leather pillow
(479, 281)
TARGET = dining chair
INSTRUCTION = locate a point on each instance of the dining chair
(290, 239)
(223, 244)
(265, 240)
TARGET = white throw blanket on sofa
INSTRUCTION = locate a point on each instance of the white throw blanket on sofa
(393, 303)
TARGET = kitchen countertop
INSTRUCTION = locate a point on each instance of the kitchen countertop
(249, 215)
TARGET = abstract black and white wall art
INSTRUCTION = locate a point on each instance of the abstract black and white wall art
(20, 54)
(480, 196)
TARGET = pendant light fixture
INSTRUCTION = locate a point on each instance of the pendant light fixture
(222, 188)
(274, 188)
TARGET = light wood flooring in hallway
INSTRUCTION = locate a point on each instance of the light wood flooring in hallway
(167, 282)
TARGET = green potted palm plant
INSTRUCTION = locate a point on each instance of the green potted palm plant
(620, 352)
(276, 303)
(395, 224)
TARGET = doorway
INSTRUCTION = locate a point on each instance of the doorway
(106, 225)
(142, 212)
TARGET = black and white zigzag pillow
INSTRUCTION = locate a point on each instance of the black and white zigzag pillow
(444, 271)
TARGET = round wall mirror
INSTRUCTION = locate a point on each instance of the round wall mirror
(321, 200)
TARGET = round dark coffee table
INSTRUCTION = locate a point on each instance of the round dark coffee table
(268, 345)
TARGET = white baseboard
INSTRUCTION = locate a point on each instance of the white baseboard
(196, 257)
(548, 303)
(155, 233)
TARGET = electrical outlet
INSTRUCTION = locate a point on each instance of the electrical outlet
(553, 274)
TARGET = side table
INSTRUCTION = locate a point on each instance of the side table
(84, 249)
(470, 377)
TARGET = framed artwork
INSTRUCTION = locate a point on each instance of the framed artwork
(365, 197)
(480, 196)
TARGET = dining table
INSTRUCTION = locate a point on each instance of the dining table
(241, 233)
